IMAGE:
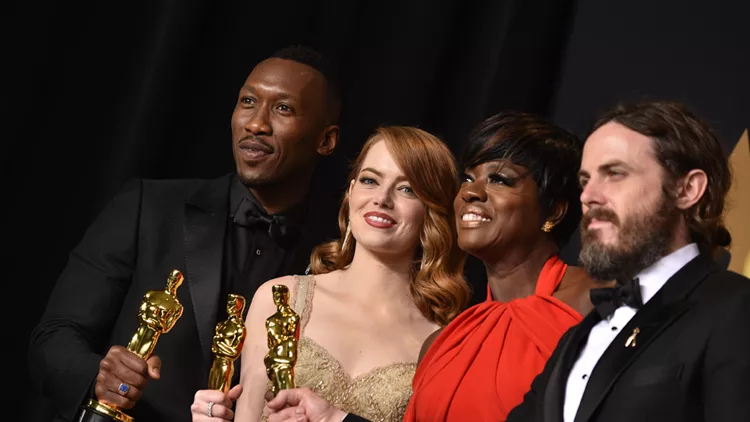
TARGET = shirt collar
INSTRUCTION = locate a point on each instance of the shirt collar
(655, 276)
(239, 191)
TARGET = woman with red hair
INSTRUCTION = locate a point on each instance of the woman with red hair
(394, 277)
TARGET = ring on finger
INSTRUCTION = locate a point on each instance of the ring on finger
(208, 411)
(123, 388)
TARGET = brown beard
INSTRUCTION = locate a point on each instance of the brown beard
(642, 240)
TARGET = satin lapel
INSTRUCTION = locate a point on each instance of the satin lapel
(554, 394)
(205, 224)
(664, 308)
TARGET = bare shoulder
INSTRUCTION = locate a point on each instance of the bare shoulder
(428, 342)
(262, 303)
(287, 280)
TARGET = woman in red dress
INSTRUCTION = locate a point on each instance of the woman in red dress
(518, 204)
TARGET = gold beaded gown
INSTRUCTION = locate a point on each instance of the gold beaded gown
(381, 394)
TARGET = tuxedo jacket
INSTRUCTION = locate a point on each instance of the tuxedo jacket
(690, 362)
(149, 228)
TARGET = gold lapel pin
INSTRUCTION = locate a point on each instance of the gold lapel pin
(630, 342)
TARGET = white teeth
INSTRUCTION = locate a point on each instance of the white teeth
(379, 219)
(473, 217)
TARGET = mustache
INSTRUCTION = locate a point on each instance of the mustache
(601, 214)
(254, 138)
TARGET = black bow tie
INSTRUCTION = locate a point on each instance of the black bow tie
(606, 300)
(250, 214)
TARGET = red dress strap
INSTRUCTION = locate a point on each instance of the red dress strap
(483, 362)
(549, 279)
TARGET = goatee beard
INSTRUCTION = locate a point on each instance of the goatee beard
(642, 240)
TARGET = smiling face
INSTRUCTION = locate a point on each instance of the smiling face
(385, 214)
(497, 207)
(279, 123)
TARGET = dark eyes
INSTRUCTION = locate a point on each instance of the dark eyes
(502, 180)
(495, 178)
(283, 108)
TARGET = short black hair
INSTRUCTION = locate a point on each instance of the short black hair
(311, 57)
(552, 155)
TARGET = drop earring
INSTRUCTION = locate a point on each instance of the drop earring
(346, 236)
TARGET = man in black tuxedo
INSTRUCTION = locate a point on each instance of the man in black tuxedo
(226, 235)
(670, 342)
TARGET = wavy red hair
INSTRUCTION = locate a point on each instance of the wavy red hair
(438, 286)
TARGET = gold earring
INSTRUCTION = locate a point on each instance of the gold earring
(346, 236)
(547, 227)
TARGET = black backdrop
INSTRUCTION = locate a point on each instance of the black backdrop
(102, 91)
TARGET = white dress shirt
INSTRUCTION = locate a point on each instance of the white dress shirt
(651, 280)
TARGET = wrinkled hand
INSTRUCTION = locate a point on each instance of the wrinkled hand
(121, 366)
(221, 410)
(300, 405)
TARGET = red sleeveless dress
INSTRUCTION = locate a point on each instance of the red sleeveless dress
(484, 361)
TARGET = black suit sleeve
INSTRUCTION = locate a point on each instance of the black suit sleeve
(354, 418)
(727, 362)
(531, 409)
(69, 342)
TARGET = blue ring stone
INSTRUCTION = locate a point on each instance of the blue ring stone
(124, 388)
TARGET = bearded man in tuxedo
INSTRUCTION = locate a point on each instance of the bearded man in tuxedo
(670, 341)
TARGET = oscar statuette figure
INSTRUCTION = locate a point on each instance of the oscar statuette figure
(157, 314)
(283, 335)
(229, 338)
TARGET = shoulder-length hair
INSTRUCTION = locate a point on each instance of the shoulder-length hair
(437, 285)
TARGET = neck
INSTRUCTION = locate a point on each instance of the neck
(279, 197)
(381, 281)
(680, 238)
(515, 274)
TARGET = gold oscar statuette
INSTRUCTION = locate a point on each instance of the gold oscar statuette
(157, 314)
(229, 338)
(283, 335)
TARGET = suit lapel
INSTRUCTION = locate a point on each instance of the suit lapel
(205, 224)
(663, 309)
(554, 395)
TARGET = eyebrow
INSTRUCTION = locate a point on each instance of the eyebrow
(380, 174)
(607, 166)
(279, 94)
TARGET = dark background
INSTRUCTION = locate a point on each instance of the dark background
(98, 92)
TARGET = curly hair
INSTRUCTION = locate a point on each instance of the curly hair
(437, 285)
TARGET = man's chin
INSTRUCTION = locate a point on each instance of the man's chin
(601, 237)
(253, 178)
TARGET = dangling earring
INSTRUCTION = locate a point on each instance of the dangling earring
(547, 227)
(346, 236)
